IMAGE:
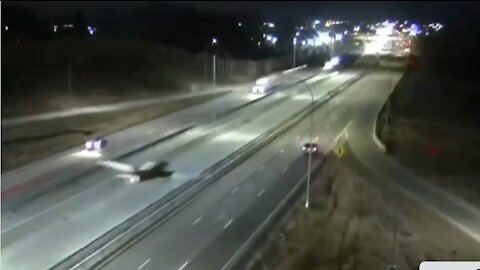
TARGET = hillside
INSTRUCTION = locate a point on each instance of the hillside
(434, 114)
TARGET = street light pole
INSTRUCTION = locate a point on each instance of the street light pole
(70, 79)
(333, 47)
(214, 70)
(214, 42)
(294, 51)
(309, 166)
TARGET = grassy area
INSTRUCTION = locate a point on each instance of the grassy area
(350, 225)
(433, 130)
(26, 143)
(102, 70)
(434, 116)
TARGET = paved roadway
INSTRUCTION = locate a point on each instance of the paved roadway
(75, 215)
(68, 164)
(207, 233)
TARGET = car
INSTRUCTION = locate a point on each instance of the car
(310, 148)
(96, 144)
(264, 85)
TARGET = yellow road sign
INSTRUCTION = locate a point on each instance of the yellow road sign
(340, 151)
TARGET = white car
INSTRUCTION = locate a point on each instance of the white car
(95, 144)
(263, 85)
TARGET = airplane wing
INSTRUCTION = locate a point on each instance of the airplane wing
(147, 166)
(122, 167)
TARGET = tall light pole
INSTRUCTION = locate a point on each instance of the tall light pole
(333, 47)
(214, 42)
(70, 80)
(294, 51)
(309, 166)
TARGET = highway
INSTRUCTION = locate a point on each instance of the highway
(71, 163)
(207, 233)
(73, 215)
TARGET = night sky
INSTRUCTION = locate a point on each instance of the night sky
(366, 10)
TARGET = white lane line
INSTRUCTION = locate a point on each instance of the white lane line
(183, 266)
(197, 220)
(285, 170)
(228, 223)
(261, 168)
(281, 151)
(344, 130)
(150, 131)
(234, 190)
(298, 138)
(261, 192)
(328, 127)
(143, 264)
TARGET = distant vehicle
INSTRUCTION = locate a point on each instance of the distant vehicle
(310, 148)
(147, 171)
(265, 85)
(96, 144)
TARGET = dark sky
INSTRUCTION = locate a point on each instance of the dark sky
(359, 10)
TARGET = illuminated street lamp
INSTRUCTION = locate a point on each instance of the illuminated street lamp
(214, 42)
(294, 51)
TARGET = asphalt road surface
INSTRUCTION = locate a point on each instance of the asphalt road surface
(70, 217)
(65, 165)
(207, 233)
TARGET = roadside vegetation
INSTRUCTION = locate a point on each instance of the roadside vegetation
(350, 225)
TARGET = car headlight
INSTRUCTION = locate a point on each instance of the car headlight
(88, 144)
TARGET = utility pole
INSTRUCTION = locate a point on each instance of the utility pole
(214, 69)
(294, 51)
(214, 43)
(70, 80)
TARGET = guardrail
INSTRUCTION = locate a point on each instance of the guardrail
(113, 242)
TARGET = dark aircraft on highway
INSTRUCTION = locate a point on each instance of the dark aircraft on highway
(147, 171)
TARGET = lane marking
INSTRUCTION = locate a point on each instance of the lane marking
(228, 223)
(261, 168)
(183, 265)
(344, 130)
(298, 138)
(197, 220)
(143, 264)
(234, 190)
(285, 170)
(150, 131)
(328, 127)
(281, 151)
(261, 192)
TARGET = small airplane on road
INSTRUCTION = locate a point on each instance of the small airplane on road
(147, 171)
